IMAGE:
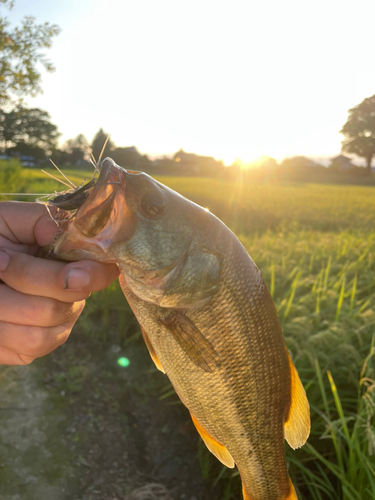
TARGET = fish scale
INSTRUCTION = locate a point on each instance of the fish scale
(207, 317)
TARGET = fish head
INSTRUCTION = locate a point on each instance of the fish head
(164, 245)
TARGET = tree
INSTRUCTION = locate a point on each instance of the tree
(20, 55)
(126, 157)
(265, 162)
(28, 125)
(24, 149)
(359, 131)
(98, 143)
(76, 148)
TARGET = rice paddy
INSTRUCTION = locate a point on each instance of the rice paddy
(315, 246)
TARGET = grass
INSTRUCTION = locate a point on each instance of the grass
(315, 246)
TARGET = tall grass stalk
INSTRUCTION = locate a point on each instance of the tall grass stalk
(340, 301)
(352, 297)
(292, 293)
(351, 463)
(272, 286)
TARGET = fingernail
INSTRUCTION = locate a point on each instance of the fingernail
(76, 278)
(4, 260)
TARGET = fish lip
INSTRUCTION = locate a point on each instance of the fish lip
(105, 168)
(110, 174)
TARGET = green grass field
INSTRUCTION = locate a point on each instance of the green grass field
(315, 246)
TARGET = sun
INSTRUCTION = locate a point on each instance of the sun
(247, 162)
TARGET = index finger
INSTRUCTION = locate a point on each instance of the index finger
(23, 223)
(54, 279)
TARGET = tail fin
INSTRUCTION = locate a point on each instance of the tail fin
(291, 496)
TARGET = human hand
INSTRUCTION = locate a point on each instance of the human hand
(40, 300)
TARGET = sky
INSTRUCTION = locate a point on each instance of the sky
(234, 79)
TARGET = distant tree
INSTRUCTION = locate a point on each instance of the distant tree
(28, 125)
(126, 157)
(77, 148)
(25, 149)
(20, 55)
(359, 131)
(98, 143)
(59, 157)
(298, 162)
(265, 162)
(145, 163)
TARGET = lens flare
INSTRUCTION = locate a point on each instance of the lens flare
(123, 362)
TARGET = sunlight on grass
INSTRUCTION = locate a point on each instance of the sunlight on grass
(315, 247)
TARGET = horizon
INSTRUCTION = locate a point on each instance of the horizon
(254, 80)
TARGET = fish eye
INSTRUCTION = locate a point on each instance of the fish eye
(153, 204)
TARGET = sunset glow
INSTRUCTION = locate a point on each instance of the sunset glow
(232, 81)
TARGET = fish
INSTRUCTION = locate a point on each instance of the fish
(207, 318)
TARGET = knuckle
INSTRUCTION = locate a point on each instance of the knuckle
(22, 268)
(62, 337)
(70, 312)
(58, 312)
(80, 306)
(37, 340)
(25, 360)
(74, 311)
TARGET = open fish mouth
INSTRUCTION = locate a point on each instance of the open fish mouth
(95, 207)
(74, 199)
(95, 212)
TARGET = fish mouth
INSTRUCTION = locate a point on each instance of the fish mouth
(97, 221)
(95, 214)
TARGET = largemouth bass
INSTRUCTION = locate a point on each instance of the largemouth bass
(206, 316)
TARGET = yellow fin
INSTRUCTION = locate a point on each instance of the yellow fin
(216, 448)
(153, 355)
(291, 496)
(297, 424)
(245, 495)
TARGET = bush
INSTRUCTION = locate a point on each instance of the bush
(10, 177)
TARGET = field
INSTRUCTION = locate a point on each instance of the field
(315, 246)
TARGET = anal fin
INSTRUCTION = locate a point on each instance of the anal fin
(297, 423)
(151, 350)
(244, 493)
(216, 448)
(292, 495)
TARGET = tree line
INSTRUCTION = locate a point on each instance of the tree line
(28, 132)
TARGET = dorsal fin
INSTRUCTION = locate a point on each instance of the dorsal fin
(216, 448)
(151, 350)
(297, 422)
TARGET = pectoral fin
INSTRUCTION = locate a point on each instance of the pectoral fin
(216, 448)
(152, 352)
(297, 423)
(199, 350)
